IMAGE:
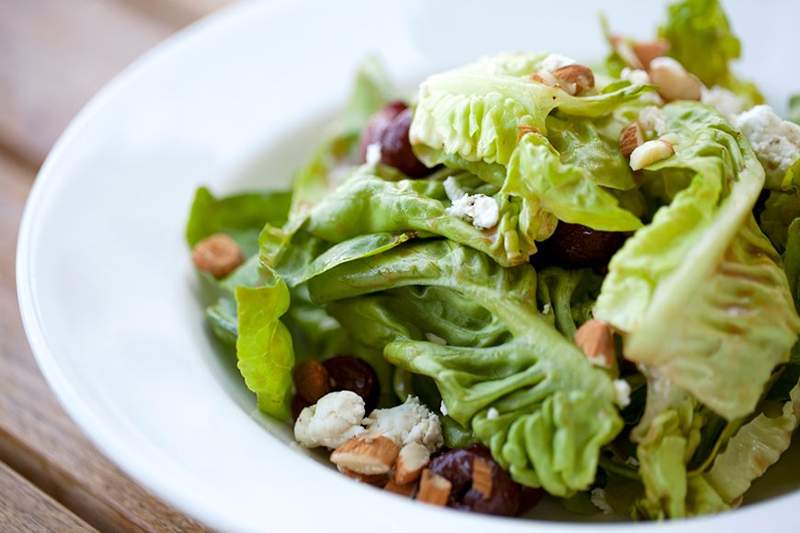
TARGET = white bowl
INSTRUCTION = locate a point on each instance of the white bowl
(106, 287)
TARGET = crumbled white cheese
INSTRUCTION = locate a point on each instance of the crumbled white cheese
(373, 154)
(408, 422)
(598, 498)
(435, 339)
(452, 190)
(775, 141)
(636, 76)
(652, 119)
(546, 309)
(554, 62)
(492, 413)
(481, 209)
(623, 392)
(332, 421)
(443, 408)
(723, 100)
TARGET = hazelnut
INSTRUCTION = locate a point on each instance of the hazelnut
(673, 81)
(218, 254)
(595, 339)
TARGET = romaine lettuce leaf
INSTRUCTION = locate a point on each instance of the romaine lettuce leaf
(702, 274)
(535, 400)
(264, 346)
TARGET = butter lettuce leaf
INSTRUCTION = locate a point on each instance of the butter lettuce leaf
(264, 346)
(703, 275)
(534, 399)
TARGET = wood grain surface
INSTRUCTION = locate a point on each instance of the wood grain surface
(30, 510)
(54, 55)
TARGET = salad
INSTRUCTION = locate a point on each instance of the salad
(535, 276)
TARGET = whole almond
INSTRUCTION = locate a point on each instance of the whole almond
(433, 488)
(217, 254)
(630, 138)
(368, 455)
(575, 79)
(595, 339)
(647, 51)
(412, 459)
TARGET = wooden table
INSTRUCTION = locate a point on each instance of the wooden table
(54, 54)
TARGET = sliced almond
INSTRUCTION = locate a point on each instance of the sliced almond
(647, 51)
(218, 254)
(366, 454)
(433, 488)
(403, 490)
(595, 339)
(575, 79)
(650, 152)
(311, 380)
(377, 480)
(412, 459)
(482, 479)
(673, 81)
(630, 138)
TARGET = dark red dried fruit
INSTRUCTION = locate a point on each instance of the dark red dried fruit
(506, 498)
(378, 123)
(346, 372)
(396, 147)
(389, 128)
(574, 245)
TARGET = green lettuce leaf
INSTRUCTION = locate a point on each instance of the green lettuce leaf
(241, 216)
(264, 346)
(780, 210)
(755, 447)
(568, 296)
(537, 175)
(535, 400)
(474, 113)
(684, 275)
(700, 37)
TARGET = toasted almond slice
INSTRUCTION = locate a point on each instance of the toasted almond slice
(377, 480)
(433, 488)
(630, 139)
(647, 51)
(366, 454)
(575, 79)
(595, 339)
(650, 152)
(218, 254)
(412, 459)
(482, 477)
(403, 490)
(311, 380)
